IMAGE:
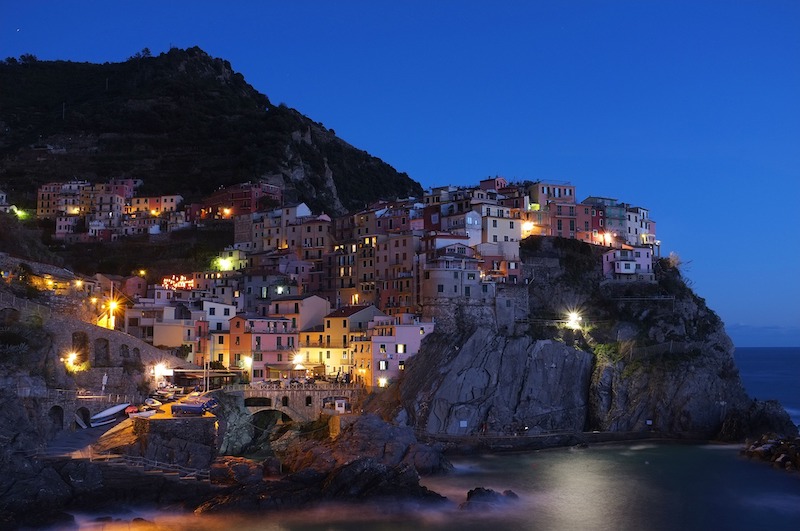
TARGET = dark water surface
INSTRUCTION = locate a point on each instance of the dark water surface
(772, 374)
(642, 486)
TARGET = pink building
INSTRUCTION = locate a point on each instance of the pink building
(379, 357)
(264, 346)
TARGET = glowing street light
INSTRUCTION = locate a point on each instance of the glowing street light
(574, 320)
(248, 362)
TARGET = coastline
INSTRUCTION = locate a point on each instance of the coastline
(467, 444)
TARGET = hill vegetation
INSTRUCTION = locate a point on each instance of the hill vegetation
(183, 122)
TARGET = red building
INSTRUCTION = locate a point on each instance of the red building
(239, 199)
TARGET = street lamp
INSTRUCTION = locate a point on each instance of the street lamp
(574, 320)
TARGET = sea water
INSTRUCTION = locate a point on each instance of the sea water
(772, 374)
(642, 486)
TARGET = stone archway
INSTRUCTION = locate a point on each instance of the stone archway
(102, 355)
(56, 421)
(124, 351)
(258, 401)
(264, 422)
(80, 346)
(9, 316)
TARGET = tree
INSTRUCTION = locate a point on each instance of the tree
(27, 58)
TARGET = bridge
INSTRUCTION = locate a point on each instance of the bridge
(300, 402)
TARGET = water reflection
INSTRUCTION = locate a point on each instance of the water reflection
(657, 487)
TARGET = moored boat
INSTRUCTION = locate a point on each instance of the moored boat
(107, 416)
(152, 402)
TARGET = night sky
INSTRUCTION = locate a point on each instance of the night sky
(690, 109)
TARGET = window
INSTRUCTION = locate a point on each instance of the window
(236, 342)
(383, 365)
(280, 356)
(401, 365)
(221, 340)
(440, 288)
(226, 311)
(400, 348)
(383, 349)
(212, 311)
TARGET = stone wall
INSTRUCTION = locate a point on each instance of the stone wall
(190, 442)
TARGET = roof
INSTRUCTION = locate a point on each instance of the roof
(347, 311)
(302, 297)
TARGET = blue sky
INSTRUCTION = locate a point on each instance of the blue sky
(690, 109)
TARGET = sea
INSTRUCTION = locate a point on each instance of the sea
(619, 487)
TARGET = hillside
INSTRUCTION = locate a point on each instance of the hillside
(183, 122)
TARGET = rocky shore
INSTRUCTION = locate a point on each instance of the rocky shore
(782, 452)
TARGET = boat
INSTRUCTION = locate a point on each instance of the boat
(142, 413)
(152, 402)
(107, 416)
(80, 422)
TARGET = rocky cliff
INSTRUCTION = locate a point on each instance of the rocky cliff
(646, 356)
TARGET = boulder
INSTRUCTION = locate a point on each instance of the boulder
(481, 499)
(235, 471)
(367, 436)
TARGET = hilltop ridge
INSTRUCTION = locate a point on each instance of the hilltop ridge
(180, 121)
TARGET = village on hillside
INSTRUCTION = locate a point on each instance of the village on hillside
(303, 295)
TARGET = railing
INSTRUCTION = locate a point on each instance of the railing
(64, 395)
(274, 386)
(150, 464)
(25, 304)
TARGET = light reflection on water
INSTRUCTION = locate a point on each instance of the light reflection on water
(660, 487)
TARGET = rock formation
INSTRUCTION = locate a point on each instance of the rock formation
(647, 357)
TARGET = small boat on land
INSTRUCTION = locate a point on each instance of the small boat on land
(142, 413)
(80, 422)
(107, 416)
(152, 402)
